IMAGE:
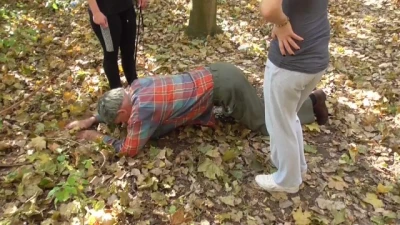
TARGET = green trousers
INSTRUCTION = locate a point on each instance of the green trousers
(239, 99)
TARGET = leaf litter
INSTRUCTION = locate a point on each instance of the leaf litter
(51, 72)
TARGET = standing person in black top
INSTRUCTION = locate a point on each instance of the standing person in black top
(118, 17)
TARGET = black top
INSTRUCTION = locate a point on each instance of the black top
(109, 7)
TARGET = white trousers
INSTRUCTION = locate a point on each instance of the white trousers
(284, 93)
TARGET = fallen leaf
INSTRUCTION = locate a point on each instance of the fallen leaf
(229, 155)
(383, 189)
(300, 217)
(330, 205)
(339, 216)
(313, 127)
(159, 198)
(135, 208)
(120, 174)
(210, 169)
(53, 147)
(236, 216)
(110, 200)
(39, 128)
(338, 183)
(179, 217)
(67, 96)
(154, 152)
(4, 145)
(285, 204)
(310, 149)
(101, 217)
(69, 209)
(213, 153)
(228, 200)
(161, 154)
(124, 198)
(135, 172)
(10, 208)
(38, 143)
(353, 152)
(372, 199)
(172, 209)
(204, 222)
(156, 171)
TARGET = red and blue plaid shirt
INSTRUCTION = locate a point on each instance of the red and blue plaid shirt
(160, 104)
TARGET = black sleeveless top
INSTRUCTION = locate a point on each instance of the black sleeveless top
(110, 7)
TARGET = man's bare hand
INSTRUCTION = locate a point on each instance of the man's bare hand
(286, 38)
(89, 135)
(81, 124)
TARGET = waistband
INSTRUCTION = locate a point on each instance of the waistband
(217, 83)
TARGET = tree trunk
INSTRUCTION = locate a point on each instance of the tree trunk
(203, 19)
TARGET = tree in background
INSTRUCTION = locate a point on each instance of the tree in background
(203, 19)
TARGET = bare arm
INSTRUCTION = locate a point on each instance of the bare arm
(98, 16)
(271, 11)
(93, 6)
(83, 124)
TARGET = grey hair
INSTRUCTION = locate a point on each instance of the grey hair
(109, 104)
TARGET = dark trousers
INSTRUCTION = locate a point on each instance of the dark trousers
(239, 99)
(123, 33)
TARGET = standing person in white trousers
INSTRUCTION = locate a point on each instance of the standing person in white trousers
(297, 59)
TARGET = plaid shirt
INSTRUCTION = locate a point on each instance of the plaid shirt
(160, 104)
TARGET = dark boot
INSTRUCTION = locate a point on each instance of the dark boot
(320, 109)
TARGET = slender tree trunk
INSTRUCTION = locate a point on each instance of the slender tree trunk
(203, 19)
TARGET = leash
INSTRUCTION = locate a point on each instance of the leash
(140, 26)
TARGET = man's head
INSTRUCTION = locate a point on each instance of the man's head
(115, 107)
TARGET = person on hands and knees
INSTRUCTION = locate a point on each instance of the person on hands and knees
(154, 106)
(297, 59)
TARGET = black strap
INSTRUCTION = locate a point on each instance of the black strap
(139, 26)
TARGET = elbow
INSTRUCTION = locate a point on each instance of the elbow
(269, 9)
(266, 13)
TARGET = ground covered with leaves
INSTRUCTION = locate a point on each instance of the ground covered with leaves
(51, 73)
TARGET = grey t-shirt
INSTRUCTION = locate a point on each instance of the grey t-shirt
(309, 20)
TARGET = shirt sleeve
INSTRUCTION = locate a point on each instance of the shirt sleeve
(138, 134)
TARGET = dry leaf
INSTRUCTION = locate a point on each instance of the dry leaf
(213, 153)
(300, 217)
(330, 205)
(353, 152)
(383, 189)
(38, 143)
(313, 127)
(372, 199)
(229, 200)
(179, 217)
(53, 147)
(4, 145)
(338, 183)
(210, 169)
(101, 217)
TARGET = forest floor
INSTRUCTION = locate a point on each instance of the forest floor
(50, 57)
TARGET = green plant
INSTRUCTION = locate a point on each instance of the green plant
(69, 189)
